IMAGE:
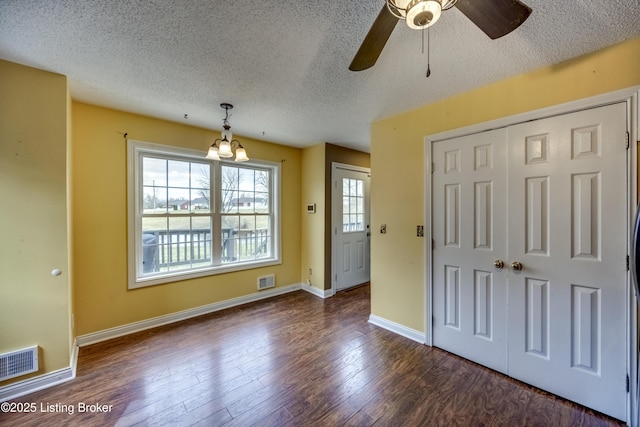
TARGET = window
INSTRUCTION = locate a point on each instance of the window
(352, 205)
(190, 217)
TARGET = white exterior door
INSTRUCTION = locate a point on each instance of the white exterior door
(560, 310)
(351, 231)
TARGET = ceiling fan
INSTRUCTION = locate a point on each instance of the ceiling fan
(495, 18)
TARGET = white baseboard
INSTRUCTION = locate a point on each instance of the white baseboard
(397, 328)
(166, 319)
(322, 293)
(31, 385)
(51, 379)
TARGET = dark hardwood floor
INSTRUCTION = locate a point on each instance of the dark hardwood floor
(292, 360)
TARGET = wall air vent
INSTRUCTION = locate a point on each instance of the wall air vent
(265, 282)
(18, 363)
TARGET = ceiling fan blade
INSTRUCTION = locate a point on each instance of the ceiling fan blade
(375, 40)
(495, 17)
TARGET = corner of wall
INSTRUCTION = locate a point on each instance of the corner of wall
(312, 265)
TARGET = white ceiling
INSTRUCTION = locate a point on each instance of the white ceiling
(284, 65)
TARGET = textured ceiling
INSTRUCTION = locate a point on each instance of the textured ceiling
(284, 65)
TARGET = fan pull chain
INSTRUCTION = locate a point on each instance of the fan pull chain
(428, 56)
(428, 59)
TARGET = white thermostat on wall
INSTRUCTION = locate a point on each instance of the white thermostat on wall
(311, 208)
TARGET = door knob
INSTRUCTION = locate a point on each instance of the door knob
(516, 266)
(499, 264)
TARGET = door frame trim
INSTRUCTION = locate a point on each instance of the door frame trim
(630, 96)
(334, 250)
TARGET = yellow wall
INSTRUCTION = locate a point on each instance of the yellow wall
(34, 305)
(312, 236)
(99, 186)
(398, 257)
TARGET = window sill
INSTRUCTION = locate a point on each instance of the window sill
(179, 276)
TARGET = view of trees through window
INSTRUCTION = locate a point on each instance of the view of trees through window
(246, 208)
(182, 206)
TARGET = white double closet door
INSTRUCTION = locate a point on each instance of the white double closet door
(548, 200)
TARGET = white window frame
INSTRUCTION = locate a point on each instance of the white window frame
(358, 213)
(135, 151)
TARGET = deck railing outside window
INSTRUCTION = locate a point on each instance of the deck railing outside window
(166, 251)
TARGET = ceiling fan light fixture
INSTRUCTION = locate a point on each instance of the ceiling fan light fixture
(419, 14)
(422, 14)
(496, 18)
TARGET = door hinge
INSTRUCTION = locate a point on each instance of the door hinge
(628, 138)
(628, 384)
(433, 167)
(628, 262)
(433, 245)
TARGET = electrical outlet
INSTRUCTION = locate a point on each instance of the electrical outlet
(420, 231)
(310, 272)
(383, 229)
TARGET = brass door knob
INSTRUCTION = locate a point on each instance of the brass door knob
(516, 266)
(499, 264)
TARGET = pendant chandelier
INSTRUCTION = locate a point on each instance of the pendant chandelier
(223, 147)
